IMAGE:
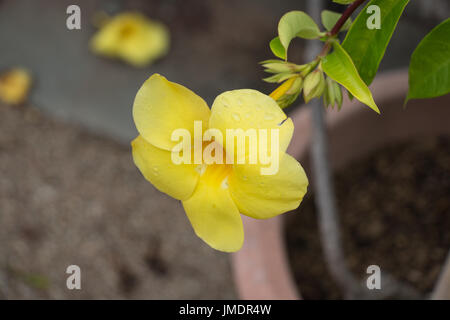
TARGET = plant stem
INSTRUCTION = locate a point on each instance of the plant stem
(337, 27)
(344, 17)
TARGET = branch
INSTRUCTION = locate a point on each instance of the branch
(344, 17)
(337, 27)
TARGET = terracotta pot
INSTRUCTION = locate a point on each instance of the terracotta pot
(261, 268)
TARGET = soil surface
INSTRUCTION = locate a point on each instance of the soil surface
(394, 208)
(70, 197)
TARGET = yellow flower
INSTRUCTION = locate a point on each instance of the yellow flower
(133, 38)
(214, 195)
(14, 86)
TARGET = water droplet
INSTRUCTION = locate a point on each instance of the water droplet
(201, 168)
(236, 116)
(269, 116)
(248, 115)
(155, 171)
(224, 183)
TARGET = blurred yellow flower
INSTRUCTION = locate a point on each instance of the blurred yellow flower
(133, 38)
(214, 195)
(14, 86)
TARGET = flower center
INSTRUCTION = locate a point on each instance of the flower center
(127, 30)
(215, 174)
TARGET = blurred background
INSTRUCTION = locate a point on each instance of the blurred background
(69, 191)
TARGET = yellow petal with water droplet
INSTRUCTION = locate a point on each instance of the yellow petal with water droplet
(161, 107)
(265, 196)
(156, 165)
(212, 212)
(250, 109)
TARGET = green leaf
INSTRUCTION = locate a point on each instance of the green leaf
(329, 19)
(277, 48)
(339, 66)
(344, 1)
(296, 24)
(429, 71)
(367, 47)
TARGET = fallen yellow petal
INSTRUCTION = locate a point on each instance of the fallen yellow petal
(15, 86)
(133, 38)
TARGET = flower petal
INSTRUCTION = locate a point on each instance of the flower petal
(213, 214)
(265, 196)
(161, 106)
(150, 42)
(156, 165)
(250, 109)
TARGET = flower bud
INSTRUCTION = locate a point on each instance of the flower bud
(338, 94)
(314, 85)
(279, 77)
(280, 66)
(296, 86)
(287, 100)
(288, 92)
(332, 94)
(326, 100)
(277, 67)
(329, 94)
